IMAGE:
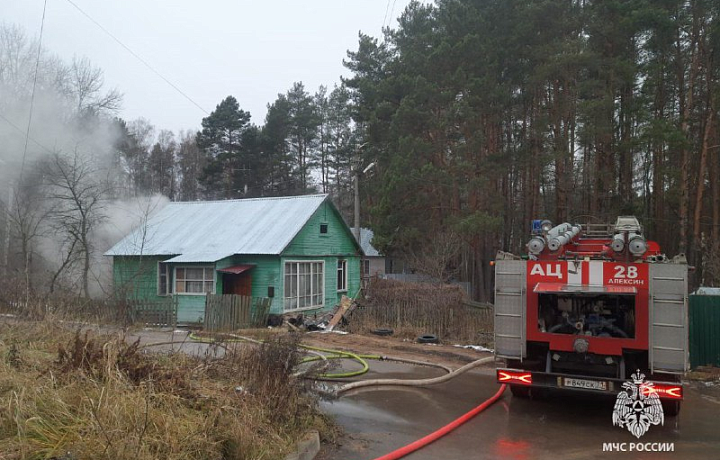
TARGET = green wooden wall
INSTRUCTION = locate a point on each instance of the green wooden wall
(136, 277)
(191, 308)
(310, 242)
(337, 243)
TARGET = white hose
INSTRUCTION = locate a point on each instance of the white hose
(415, 383)
(241, 337)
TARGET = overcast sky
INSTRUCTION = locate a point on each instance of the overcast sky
(210, 49)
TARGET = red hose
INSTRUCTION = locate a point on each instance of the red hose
(422, 442)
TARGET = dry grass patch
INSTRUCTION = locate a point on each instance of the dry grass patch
(78, 395)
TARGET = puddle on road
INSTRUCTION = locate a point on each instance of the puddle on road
(361, 411)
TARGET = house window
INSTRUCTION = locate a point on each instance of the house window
(323, 229)
(342, 275)
(304, 285)
(366, 267)
(163, 284)
(194, 280)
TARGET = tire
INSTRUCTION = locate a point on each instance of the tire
(670, 408)
(428, 338)
(382, 332)
(520, 391)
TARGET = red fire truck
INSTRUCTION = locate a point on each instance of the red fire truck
(587, 307)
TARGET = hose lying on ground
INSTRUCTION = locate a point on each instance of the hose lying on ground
(377, 358)
(422, 442)
(415, 383)
(312, 350)
(338, 354)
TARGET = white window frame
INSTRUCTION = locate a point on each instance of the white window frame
(297, 295)
(168, 285)
(342, 266)
(175, 279)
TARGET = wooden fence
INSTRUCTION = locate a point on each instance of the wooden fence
(156, 313)
(228, 312)
(412, 309)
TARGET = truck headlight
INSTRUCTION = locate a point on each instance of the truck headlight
(546, 226)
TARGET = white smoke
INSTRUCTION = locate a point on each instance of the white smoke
(72, 115)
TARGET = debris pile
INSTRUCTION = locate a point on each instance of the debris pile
(325, 322)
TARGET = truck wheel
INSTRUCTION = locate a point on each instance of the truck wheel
(671, 408)
(520, 391)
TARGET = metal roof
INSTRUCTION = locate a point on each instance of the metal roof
(207, 231)
(366, 237)
(237, 269)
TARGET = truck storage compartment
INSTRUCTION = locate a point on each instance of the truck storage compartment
(589, 314)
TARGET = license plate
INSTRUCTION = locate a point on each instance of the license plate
(586, 384)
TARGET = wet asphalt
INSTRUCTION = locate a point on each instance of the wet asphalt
(381, 419)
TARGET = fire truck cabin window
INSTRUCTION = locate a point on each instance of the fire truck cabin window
(590, 315)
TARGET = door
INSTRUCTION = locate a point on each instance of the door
(237, 284)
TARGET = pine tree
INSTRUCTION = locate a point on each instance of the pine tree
(221, 140)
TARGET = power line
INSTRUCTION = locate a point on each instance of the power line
(387, 7)
(392, 10)
(138, 57)
(32, 95)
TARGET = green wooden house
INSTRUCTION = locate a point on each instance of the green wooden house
(296, 250)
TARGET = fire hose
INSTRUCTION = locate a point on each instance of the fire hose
(434, 436)
(415, 383)
(317, 351)
(337, 354)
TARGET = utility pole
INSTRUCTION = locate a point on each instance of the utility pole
(359, 173)
(358, 162)
(356, 223)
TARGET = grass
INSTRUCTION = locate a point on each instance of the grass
(72, 395)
